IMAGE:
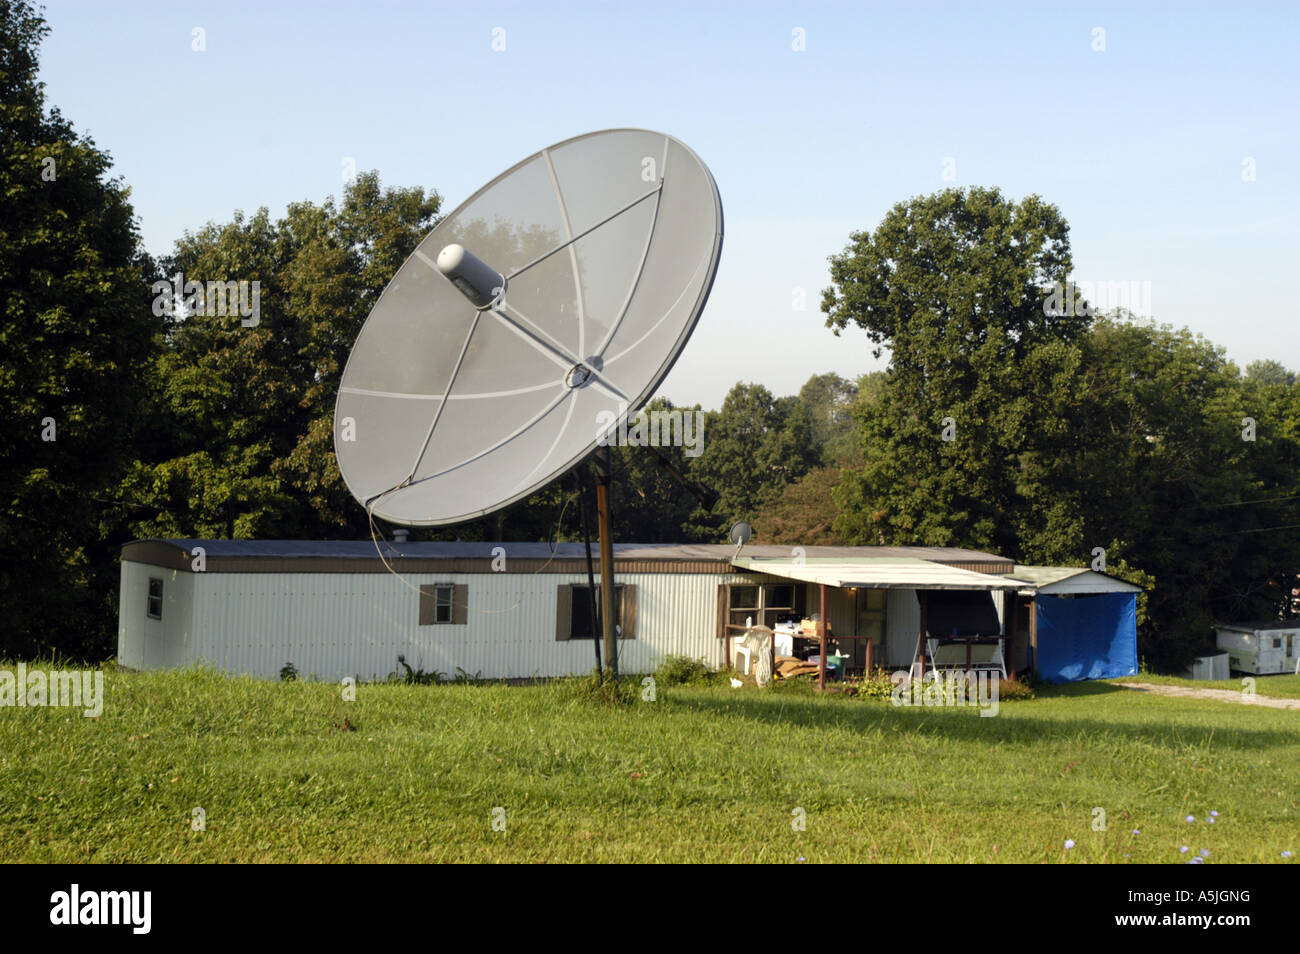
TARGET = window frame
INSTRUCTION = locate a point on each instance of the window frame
(457, 606)
(150, 611)
(625, 609)
(764, 612)
(444, 602)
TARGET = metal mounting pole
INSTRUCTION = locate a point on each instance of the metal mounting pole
(591, 576)
(603, 472)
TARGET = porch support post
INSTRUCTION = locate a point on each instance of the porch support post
(1009, 612)
(1033, 633)
(921, 596)
(821, 635)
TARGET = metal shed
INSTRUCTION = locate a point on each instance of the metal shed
(1082, 624)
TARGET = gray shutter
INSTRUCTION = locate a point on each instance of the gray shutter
(428, 605)
(460, 604)
(627, 611)
(724, 598)
(563, 611)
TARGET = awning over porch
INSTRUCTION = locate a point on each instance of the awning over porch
(868, 573)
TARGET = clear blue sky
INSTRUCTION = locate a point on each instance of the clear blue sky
(1140, 145)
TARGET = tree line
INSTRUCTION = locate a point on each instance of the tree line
(1003, 421)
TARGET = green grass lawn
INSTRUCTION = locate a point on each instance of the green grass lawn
(1282, 687)
(699, 774)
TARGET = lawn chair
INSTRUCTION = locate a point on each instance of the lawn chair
(760, 643)
(755, 648)
(740, 646)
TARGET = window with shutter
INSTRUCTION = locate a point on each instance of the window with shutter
(444, 603)
(573, 619)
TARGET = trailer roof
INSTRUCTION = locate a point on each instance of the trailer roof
(363, 556)
(1261, 626)
(1062, 580)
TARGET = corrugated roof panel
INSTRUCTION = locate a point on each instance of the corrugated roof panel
(1070, 579)
(880, 574)
(1268, 625)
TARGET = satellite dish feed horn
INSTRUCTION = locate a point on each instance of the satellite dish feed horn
(477, 280)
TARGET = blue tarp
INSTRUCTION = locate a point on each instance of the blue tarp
(1087, 637)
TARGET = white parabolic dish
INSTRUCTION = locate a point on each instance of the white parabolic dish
(608, 243)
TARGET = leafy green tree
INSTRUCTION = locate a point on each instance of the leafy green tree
(650, 505)
(804, 513)
(1159, 475)
(956, 285)
(870, 392)
(74, 335)
(807, 511)
(366, 241)
(1270, 372)
(830, 399)
(242, 411)
(1010, 423)
(754, 446)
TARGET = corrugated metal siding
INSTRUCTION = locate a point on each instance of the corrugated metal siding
(130, 616)
(841, 608)
(178, 617)
(147, 643)
(331, 625)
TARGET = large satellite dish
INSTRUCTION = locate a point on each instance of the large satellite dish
(540, 313)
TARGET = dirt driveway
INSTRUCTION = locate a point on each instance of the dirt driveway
(1223, 695)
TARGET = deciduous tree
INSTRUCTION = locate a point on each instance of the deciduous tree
(75, 330)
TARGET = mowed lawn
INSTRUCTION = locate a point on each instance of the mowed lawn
(699, 774)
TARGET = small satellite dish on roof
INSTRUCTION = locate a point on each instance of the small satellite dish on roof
(555, 298)
(526, 328)
(739, 535)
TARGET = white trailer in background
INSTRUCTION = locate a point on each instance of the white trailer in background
(1261, 649)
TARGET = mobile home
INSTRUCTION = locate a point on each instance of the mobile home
(521, 610)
